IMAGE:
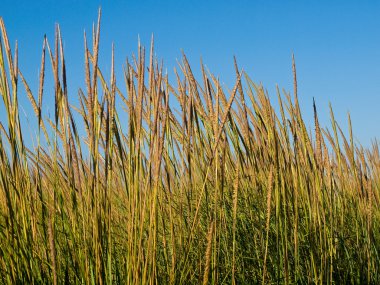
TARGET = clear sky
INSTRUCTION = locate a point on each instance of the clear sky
(336, 45)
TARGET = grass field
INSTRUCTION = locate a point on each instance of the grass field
(214, 188)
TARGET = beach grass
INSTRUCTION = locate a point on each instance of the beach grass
(182, 181)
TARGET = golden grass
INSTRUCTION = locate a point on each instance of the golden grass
(213, 187)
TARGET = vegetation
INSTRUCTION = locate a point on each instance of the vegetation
(215, 187)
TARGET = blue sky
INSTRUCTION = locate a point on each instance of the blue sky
(336, 45)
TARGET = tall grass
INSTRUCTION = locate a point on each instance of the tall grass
(215, 187)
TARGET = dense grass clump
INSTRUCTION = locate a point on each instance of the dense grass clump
(215, 187)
